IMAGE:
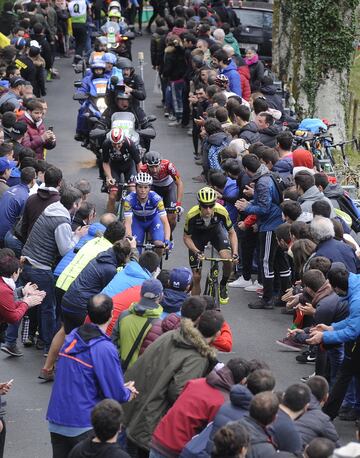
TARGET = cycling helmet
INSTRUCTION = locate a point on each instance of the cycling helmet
(152, 158)
(109, 58)
(221, 80)
(143, 178)
(98, 63)
(124, 62)
(117, 135)
(206, 195)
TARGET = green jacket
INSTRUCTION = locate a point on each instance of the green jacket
(160, 375)
(232, 41)
(130, 324)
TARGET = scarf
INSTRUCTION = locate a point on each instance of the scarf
(10, 282)
(324, 291)
(252, 61)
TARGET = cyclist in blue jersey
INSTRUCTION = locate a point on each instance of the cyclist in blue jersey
(144, 212)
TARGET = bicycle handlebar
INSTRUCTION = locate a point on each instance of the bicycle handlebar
(217, 259)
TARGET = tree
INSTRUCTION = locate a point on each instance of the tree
(313, 49)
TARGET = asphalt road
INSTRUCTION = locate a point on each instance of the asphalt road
(254, 332)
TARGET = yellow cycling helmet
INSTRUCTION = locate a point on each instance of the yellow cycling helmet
(206, 195)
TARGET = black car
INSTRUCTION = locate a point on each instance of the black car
(255, 29)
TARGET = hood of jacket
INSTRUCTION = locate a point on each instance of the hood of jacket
(96, 229)
(173, 300)
(332, 191)
(133, 269)
(262, 170)
(231, 67)
(283, 165)
(82, 339)
(269, 89)
(190, 337)
(229, 38)
(217, 138)
(146, 308)
(250, 127)
(171, 322)
(272, 131)
(240, 396)
(222, 379)
(45, 193)
(257, 432)
(312, 193)
(107, 257)
(57, 209)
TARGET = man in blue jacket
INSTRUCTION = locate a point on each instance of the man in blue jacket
(88, 371)
(347, 331)
(266, 206)
(228, 68)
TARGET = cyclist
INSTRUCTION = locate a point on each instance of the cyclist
(210, 222)
(144, 212)
(166, 182)
(121, 161)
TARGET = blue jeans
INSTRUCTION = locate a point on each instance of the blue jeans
(336, 356)
(177, 89)
(10, 241)
(12, 333)
(46, 310)
(155, 454)
(352, 398)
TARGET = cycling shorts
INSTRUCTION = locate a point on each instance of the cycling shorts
(219, 238)
(126, 173)
(168, 194)
(154, 227)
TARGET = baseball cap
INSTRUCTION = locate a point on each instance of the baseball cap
(151, 289)
(180, 278)
(18, 130)
(15, 82)
(6, 164)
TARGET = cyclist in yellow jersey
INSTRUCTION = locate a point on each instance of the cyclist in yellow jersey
(210, 222)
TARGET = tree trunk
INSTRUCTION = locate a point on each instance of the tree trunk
(313, 48)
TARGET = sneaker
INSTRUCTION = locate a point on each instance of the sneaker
(12, 350)
(171, 117)
(240, 283)
(223, 294)
(289, 344)
(253, 287)
(166, 114)
(78, 137)
(307, 377)
(306, 357)
(29, 342)
(260, 304)
(174, 123)
(39, 344)
(47, 374)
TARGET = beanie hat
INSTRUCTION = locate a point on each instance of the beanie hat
(303, 157)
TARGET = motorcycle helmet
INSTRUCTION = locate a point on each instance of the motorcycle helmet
(98, 64)
(114, 5)
(122, 95)
(109, 58)
(117, 135)
(100, 43)
(114, 13)
(206, 196)
(152, 158)
(124, 62)
(143, 178)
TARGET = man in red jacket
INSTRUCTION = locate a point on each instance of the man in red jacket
(208, 394)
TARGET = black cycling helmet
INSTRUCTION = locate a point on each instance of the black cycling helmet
(152, 158)
(124, 62)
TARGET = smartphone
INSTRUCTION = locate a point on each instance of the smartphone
(51, 128)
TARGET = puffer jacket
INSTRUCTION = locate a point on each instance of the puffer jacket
(157, 47)
(268, 135)
(315, 423)
(91, 280)
(266, 201)
(158, 328)
(132, 275)
(284, 167)
(244, 73)
(310, 196)
(160, 375)
(32, 138)
(234, 78)
(250, 133)
(212, 160)
(174, 63)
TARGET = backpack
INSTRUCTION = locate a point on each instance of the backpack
(213, 155)
(196, 447)
(347, 205)
(281, 183)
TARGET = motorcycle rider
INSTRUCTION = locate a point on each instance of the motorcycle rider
(110, 60)
(120, 157)
(118, 24)
(100, 48)
(166, 182)
(134, 85)
(97, 71)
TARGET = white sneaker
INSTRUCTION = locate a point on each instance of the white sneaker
(174, 123)
(171, 117)
(240, 283)
(254, 287)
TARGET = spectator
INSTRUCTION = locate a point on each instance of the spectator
(256, 69)
(171, 361)
(88, 371)
(262, 413)
(268, 89)
(294, 403)
(249, 130)
(14, 95)
(320, 448)
(228, 68)
(314, 423)
(303, 160)
(268, 130)
(231, 441)
(84, 216)
(182, 422)
(308, 192)
(16, 136)
(106, 419)
(84, 187)
(5, 169)
(176, 290)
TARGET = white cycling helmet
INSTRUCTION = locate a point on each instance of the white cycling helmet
(143, 178)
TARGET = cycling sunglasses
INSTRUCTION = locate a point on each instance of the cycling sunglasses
(207, 205)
